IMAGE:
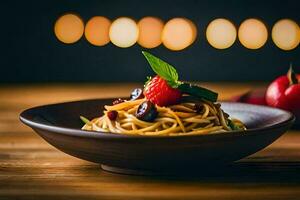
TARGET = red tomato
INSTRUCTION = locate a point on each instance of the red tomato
(284, 93)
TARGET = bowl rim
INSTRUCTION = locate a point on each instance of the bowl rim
(104, 135)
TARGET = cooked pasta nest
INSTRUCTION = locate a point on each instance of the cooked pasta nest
(186, 118)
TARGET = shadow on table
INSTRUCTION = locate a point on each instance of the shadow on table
(241, 172)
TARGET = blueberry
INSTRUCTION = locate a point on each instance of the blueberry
(146, 111)
(137, 93)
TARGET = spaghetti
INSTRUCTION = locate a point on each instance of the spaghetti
(186, 118)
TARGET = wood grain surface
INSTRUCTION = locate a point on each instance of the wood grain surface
(32, 169)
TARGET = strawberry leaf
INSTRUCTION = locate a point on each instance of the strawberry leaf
(163, 69)
(149, 78)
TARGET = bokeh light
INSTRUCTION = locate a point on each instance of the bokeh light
(150, 30)
(253, 33)
(286, 34)
(221, 33)
(124, 32)
(97, 30)
(69, 28)
(179, 33)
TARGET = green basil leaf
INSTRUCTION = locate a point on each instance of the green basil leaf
(163, 69)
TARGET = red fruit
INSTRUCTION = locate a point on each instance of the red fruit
(112, 115)
(252, 97)
(284, 93)
(159, 92)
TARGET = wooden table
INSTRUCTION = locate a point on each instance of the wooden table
(32, 169)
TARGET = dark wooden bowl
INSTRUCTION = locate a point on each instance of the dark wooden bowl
(59, 125)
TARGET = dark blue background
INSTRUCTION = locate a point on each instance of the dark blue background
(31, 53)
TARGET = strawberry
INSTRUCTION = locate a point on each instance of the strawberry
(165, 88)
(159, 92)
